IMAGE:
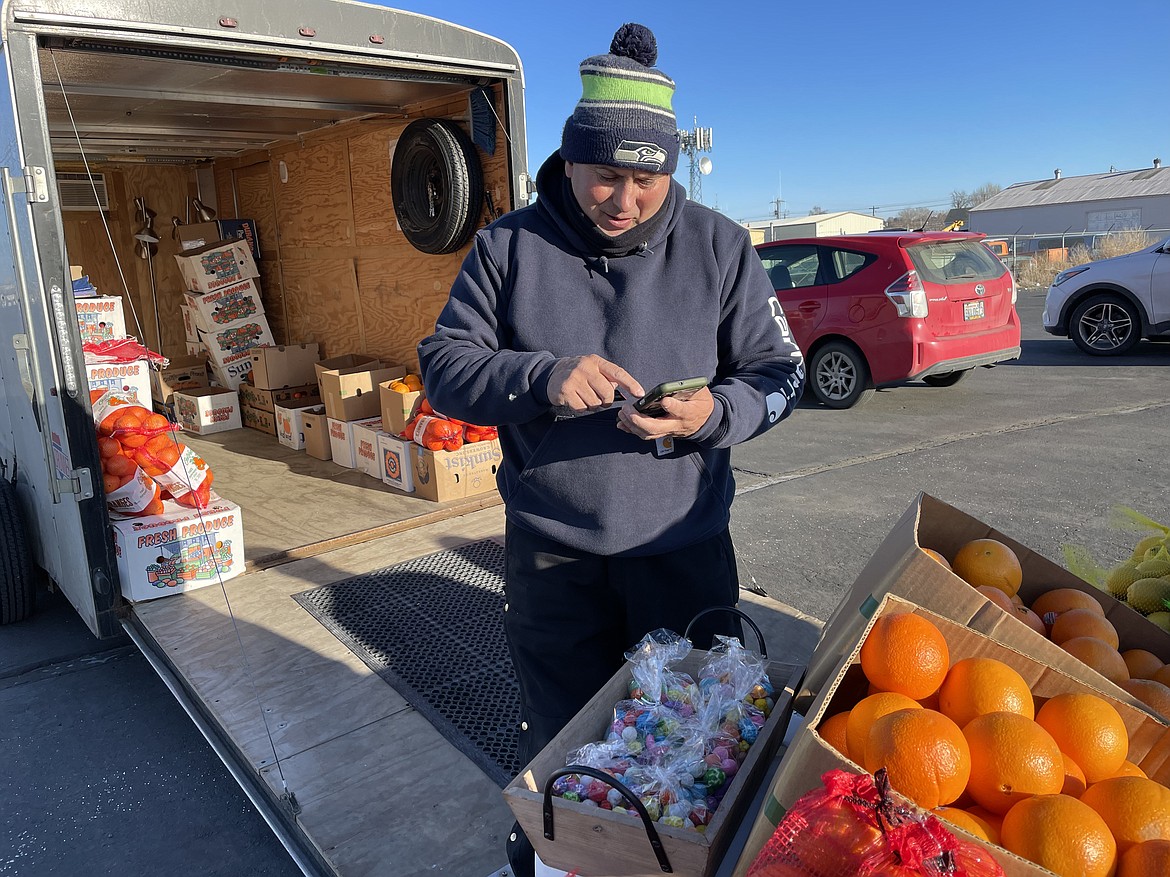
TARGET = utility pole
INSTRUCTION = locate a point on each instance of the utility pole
(776, 202)
(692, 143)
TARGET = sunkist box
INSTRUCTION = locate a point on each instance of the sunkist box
(315, 429)
(443, 475)
(179, 550)
(128, 378)
(899, 566)
(205, 410)
(287, 365)
(809, 756)
(181, 373)
(217, 265)
(101, 318)
(289, 397)
(398, 408)
(290, 424)
(395, 462)
(341, 439)
(351, 392)
(230, 348)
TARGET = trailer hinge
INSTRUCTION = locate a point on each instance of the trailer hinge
(80, 481)
(36, 185)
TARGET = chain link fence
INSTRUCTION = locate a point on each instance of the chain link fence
(1035, 259)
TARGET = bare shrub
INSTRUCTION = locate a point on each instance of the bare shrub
(1119, 243)
(1039, 273)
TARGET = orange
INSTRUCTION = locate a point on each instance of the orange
(865, 713)
(966, 821)
(998, 597)
(1012, 758)
(1153, 694)
(993, 821)
(1030, 618)
(989, 562)
(1129, 769)
(930, 552)
(924, 753)
(1099, 655)
(1150, 858)
(1074, 778)
(1062, 599)
(1143, 664)
(1061, 834)
(975, 686)
(1083, 622)
(1162, 675)
(1088, 730)
(1135, 809)
(905, 653)
(832, 731)
(929, 702)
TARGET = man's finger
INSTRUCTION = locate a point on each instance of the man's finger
(622, 378)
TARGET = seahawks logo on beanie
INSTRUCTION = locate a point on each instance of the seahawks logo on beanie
(625, 117)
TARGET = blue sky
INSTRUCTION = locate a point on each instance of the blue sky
(858, 105)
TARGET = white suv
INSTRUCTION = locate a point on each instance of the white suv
(1107, 307)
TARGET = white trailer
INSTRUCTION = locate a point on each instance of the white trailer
(118, 116)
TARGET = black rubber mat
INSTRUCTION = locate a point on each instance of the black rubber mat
(433, 628)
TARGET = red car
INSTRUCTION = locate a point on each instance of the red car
(880, 308)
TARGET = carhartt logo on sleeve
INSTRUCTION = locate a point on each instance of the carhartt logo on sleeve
(649, 155)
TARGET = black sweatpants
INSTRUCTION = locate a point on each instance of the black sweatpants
(571, 616)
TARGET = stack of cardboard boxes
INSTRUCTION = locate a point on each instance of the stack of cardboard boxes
(281, 378)
(102, 318)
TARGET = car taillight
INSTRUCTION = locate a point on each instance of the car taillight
(908, 295)
(1013, 277)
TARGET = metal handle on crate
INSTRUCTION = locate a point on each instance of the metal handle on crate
(741, 614)
(631, 799)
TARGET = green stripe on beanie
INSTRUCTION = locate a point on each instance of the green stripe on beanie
(595, 87)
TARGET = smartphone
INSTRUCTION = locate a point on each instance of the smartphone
(651, 403)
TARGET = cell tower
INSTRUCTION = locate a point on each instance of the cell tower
(692, 143)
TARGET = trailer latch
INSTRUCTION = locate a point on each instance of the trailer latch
(80, 482)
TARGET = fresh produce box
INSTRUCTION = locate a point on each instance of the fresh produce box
(902, 566)
(589, 840)
(999, 729)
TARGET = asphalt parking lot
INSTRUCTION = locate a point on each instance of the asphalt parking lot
(103, 774)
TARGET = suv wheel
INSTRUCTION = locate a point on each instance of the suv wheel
(839, 376)
(1105, 325)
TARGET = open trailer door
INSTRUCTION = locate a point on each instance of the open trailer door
(48, 447)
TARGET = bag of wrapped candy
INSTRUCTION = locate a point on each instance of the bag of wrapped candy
(653, 678)
(853, 825)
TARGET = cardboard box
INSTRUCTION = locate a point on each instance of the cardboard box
(180, 550)
(351, 392)
(898, 566)
(227, 306)
(101, 318)
(347, 360)
(204, 410)
(230, 347)
(395, 463)
(200, 234)
(190, 324)
(809, 755)
(289, 365)
(315, 429)
(76, 272)
(254, 418)
(443, 475)
(128, 378)
(217, 265)
(290, 424)
(181, 373)
(398, 408)
(341, 439)
(365, 447)
(602, 842)
(195, 348)
(289, 397)
(232, 375)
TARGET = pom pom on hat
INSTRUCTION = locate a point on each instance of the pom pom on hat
(625, 117)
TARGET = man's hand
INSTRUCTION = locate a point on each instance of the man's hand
(585, 384)
(679, 419)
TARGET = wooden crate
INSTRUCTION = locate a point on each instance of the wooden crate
(599, 843)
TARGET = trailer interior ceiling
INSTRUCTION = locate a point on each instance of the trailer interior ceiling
(304, 149)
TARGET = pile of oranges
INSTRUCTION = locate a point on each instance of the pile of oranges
(1050, 780)
(1073, 619)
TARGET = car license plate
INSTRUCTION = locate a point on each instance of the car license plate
(973, 310)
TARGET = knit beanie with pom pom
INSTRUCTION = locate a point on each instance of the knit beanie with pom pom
(624, 117)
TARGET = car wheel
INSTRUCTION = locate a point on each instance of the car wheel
(839, 376)
(947, 380)
(1105, 325)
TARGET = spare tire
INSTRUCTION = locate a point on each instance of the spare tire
(17, 585)
(437, 184)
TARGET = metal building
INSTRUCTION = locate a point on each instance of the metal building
(765, 231)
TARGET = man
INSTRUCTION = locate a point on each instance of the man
(617, 522)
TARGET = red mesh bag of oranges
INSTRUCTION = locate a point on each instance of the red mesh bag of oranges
(853, 825)
(434, 431)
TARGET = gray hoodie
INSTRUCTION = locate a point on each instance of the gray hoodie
(692, 301)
